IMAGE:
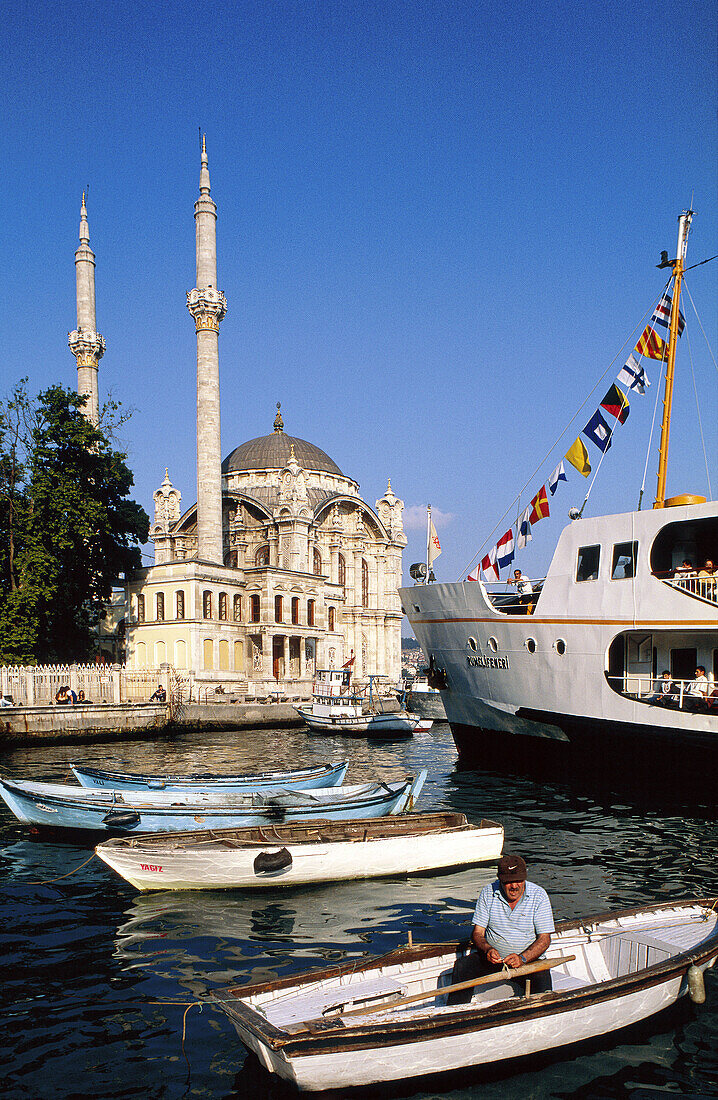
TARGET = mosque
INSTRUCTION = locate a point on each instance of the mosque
(280, 567)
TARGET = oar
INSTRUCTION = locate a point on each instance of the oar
(485, 979)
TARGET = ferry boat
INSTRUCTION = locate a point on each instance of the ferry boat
(579, 662)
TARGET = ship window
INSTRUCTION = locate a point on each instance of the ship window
(560, 646)
(588, 562)
(471, 643)
(530, 644)
(625, 556)
(493, 645)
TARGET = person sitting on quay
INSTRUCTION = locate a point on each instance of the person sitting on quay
(666, 691)
(81, 698)
(159, 696)
(66, 695)
(512, 926)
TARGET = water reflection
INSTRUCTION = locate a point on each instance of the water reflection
(88, 963)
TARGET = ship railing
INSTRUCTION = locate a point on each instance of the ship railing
(701, 588)
(509, 602)
(647, 688)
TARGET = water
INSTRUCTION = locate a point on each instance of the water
(88, 963)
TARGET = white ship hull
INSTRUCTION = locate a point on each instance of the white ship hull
(584, 663)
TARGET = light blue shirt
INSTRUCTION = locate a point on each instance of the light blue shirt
(513, 930)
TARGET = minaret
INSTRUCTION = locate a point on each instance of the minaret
(85, 342)
(208, 306)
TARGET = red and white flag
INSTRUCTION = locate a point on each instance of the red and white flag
(489, 566)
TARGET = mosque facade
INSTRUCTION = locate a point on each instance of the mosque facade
(280, 567)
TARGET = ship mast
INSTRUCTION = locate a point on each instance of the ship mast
(684, 224)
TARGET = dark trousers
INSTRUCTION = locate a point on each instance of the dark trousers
(476, 966)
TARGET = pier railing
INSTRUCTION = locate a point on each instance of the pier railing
(38, 685)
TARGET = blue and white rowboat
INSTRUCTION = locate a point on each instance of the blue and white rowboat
(58, 805)
(318, 775)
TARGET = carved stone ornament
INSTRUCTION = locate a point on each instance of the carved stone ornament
(208, 307)
(88, 347)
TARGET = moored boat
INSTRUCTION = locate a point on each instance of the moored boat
(425, 700)
(578, 657)
(387, 1018)
(299, 854)
(58, 805)
(339, 707)
(318, 775)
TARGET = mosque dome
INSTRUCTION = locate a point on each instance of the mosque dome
(273, 452)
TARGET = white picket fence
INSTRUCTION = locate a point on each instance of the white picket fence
(27, 686)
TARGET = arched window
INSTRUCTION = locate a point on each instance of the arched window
(207, 605)
(262, 555)
(254, 608)
(223, 606)
(364, 583)
(237, 608)
(230, 559)
(160, 606)
(179, 605)
(317, 563)
(295, 610)
(341, 570)
(278, 609)
(311, 604)
(331, 618)
(140, 608)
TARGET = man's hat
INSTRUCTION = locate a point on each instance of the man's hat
(511, 869)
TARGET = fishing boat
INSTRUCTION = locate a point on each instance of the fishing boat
(318, 775)
(59, 805)
(425, 700)
(387, 1018)
(578, 659)
(292, 855)
(339, 707)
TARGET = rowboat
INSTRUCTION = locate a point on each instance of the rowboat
(319, 775)
(58, 805)
(291, 855)
(387, 1019)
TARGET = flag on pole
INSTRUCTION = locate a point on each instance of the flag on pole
(650, 345)
(616, 403)
(577, 455)
(633, 375)
(505, 549)
(662, 314)
(474, 574)
(434, 546)
(489, 566)
(524, 529)
(559, 474)
(539, 506)
(598, 431)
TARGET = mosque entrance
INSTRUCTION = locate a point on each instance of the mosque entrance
(278, 657)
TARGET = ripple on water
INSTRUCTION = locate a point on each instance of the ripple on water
(87, 962)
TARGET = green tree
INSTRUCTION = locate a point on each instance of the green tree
(67, 524)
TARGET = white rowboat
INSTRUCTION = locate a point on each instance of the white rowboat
(291, 855)
(387, 1019)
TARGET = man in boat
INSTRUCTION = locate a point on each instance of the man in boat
(512, 927)
(666, 691)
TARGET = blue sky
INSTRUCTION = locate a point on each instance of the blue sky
(438, 230)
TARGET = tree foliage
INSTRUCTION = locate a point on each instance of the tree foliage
(68, 529)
